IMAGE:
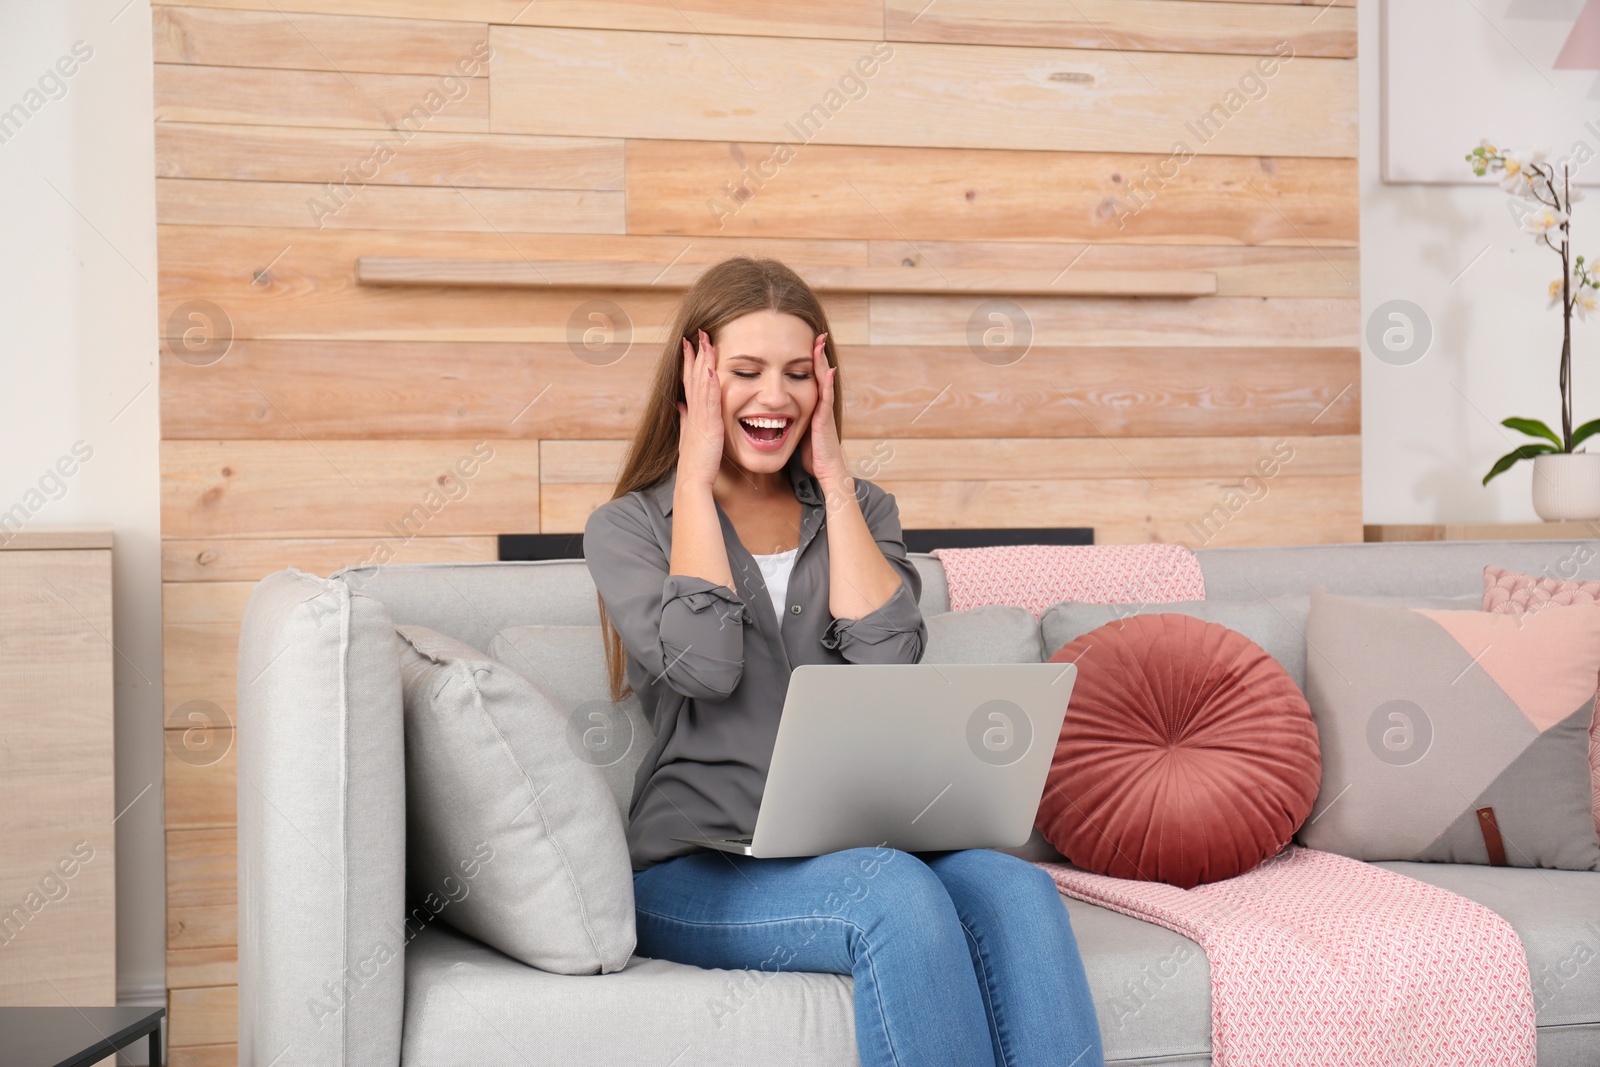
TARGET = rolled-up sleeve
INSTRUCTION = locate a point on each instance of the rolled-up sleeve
(686, 631)
(895, 632)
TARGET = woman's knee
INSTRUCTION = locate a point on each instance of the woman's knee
(876, 885)
(982, 879)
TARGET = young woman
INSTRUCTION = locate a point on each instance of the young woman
(738, 546)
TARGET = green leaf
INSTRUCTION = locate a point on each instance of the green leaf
(1504, 463)
(1533, 428)
(1587, 430)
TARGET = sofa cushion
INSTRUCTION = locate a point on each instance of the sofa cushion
(995, 634)
(1277, 623)
(1451, 736)
(1557, 916)
(510, 836)
(569, 663)
(1514, 593)
(468, 1006)
(1187, 754)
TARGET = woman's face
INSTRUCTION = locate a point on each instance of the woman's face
(764, 366)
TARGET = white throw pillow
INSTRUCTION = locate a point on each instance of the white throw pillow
(487, 760)
(569, 664)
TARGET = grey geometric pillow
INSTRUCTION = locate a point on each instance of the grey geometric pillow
(1453, 736)
(515, 835)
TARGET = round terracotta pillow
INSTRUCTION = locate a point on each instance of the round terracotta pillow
(1188, 754)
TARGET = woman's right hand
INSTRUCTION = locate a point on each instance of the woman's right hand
(700, 429)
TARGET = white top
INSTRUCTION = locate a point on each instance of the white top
(775, 570)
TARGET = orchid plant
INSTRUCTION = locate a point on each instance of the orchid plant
(1546, 209)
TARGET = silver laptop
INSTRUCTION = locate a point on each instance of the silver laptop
(919, 757)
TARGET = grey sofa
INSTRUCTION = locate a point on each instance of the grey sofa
(331, 973)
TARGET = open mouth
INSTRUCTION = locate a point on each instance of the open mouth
(766, 433)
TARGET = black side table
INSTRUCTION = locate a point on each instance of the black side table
(75, 1037)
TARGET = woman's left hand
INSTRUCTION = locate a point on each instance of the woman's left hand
(820, 452)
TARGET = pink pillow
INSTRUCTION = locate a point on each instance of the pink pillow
(1188, 754)
(1510, 593)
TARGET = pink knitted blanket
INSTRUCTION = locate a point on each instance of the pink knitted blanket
(1038, 576)
(1322, 961)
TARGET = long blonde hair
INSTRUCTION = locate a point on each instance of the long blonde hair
(732, 288)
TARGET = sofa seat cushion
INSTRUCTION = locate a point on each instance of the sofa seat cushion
(1557, 916)
(1151, 988)
(468, 1005)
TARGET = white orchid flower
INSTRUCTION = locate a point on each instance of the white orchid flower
(1555, 293)
(1542, 220)
(1583, 302)
(1521, 170)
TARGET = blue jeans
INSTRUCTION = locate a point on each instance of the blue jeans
(962, 958)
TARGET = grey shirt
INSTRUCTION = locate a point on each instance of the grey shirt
(711, 665)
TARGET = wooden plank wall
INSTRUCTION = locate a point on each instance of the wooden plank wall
(304, 414)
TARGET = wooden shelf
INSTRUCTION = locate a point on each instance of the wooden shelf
(589, 274)
(1484, 531)
(39, 539)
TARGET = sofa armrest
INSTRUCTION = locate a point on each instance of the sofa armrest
(321, 827)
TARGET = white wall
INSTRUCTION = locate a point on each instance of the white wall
(1431, 430)
(78, 362)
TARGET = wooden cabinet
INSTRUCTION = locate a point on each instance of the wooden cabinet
(58, 932)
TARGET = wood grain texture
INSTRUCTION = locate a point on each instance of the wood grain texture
(831, 18)
(819, 18)
(58, 799)
(39, 538)
(245, 261)
(202, 777)
(1198, 512)
(202, 869)
(200, 626)
(403, 103)
(1478, 531)
(1221, 320)
(911, 194)
(202, 925)
(288, 303)
(428, 158)
(394, 490)
(197, 967)
(681, 86)
(251, 559)
(1126, 25)
(418, 390)
(203, 1055)
(1240, 271)
(972, 459)
(208, 1015)
(354, 206)
(571, 274)
(333, 43)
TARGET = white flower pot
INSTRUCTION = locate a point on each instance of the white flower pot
(1566, 486)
